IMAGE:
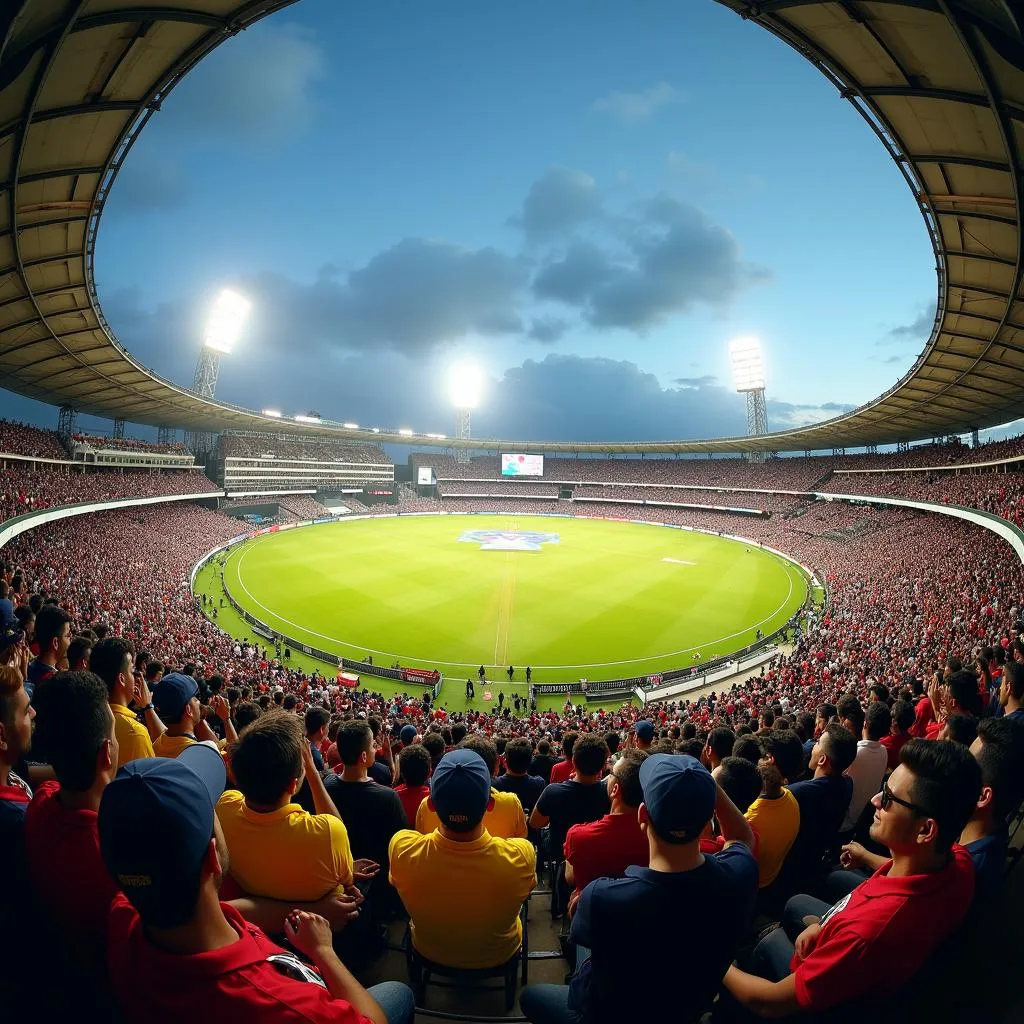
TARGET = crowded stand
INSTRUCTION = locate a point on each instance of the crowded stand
(129, 444)
(302, 506)
(852, 792)
(27, 490)
(306, 449)
(22, 439)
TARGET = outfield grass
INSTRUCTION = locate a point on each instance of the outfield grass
(608, 600)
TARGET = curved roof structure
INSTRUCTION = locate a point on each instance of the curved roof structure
(941, 82)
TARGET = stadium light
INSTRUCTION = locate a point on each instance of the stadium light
(405, 432)
(438, 437)
(465, 384)
(226, 320)
(272, 412)
(307, 419)
(351, 426)
(747, 363)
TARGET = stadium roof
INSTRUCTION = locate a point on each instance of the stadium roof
(941, 82)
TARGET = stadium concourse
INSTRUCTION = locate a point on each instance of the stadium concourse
(920, 638)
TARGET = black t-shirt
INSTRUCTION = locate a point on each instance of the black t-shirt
(541, 765)
(823, 805)
(372, 815)
(527, 787)
(572, 803)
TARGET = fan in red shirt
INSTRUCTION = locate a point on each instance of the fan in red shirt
(606, 847)
(175, 952)
(877, 938)
(903, 716)
(562, 770)
(414, 769)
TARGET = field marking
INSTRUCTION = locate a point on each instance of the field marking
(462, 664)
(678, 561)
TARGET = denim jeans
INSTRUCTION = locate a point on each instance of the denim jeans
(549, 1004)
(772, 955)
(396, 1000)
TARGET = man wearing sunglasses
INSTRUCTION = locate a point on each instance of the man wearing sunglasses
(879, 936)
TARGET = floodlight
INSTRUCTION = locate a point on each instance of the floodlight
(465, 384)
(376, 430)
(405, 432)
(272, 412)
(438, 437)
(747, 363)
(307, 419)
(351, 426)
(227, 317)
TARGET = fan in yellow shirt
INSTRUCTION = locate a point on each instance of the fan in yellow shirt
(775, 817)
(113, 660)
(276, 848)
(462, 886)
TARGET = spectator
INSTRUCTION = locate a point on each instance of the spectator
(16, 724)
(775, 814)
(607, 847)
(176, 702)
(415, 768)
(169, 855)
(681, 883)
(718, 747)
(903, 716)
(542, 762)
(78, 653)
(958, 695)
(1011, 691)
(112, 660)
(372, 813)
(504, 817)
(581, 799)
(872, 942)
(53, 637)
(644, 732)
(869, 765)
(277, 849)
(517, 778)
(959, 728)
(434, 744)
(563, 769)
(740, 780)
(463, 888)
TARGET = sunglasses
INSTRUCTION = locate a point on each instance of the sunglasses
(889, 798)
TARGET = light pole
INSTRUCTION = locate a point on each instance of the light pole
(464, 385)
(748, 374)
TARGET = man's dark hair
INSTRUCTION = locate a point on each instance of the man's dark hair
(1001, 760)
(354, 738)
(268, 757)
(878, 720)
(963, 688)
(1013, 673)
(840, 748)
(316, 719)
(947, 784)
(433, 743)
(694, 747)
(826, 712)
(153, 669)
(290, 702)
(414, 765)
(787, 751)
(689, 731)
(962, 729)
(879, 690)
(518, 756)
(246, 713)
(278, 697)
(627, 774)
(748, 748)
(903, 714)
(569, 743)
(49, 625)
(458, 733)
(613, 739)
(79, 648)
(805, 725)
(767, 718)
(73, 720)
(741, 781)
(215, 684)
(721, 741)
(543, 748)
(485, 748)
(849, 708)
(589, 754)
(108, 659)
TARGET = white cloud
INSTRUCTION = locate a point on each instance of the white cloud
(631, 107)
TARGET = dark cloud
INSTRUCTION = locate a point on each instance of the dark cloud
(574, 277)
(548, 329)
(890, 360)
(917, 330)
(693, 383)
(557, 204)
(787, 415)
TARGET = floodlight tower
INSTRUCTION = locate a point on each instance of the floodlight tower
(748, 375)
(464, 385)
(223, 328)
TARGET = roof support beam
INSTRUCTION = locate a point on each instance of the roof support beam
(958, 160)
(986, 257)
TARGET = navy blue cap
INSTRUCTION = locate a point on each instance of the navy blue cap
(679, 794)
(460, 789)
(10, 635)
(173, 693)
(644, 730)
(156, 820)
(407, 734)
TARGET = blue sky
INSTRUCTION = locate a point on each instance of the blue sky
(589, 198)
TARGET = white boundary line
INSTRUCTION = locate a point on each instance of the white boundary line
(789, 566)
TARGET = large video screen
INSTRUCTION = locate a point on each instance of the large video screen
(424, 476)
(522, 465)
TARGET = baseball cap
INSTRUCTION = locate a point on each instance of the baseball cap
(155, 823)
(408, 734)
(10, 635)
(460, 789)
(172, 694)
(679, 794)
(644, 730)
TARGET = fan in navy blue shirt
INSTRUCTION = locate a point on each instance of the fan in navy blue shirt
(517, 778)
(564, 804)
(1011, 691)
(53, 635)
(823, 801)
(681, 884)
